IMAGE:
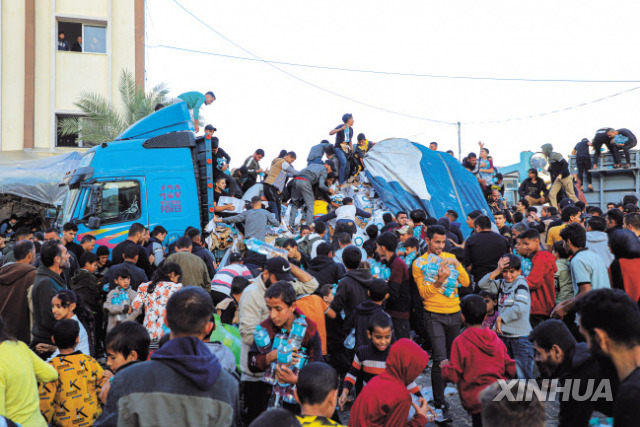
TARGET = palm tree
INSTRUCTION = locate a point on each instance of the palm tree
(101, 122)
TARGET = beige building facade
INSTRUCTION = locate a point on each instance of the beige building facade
(42, 76)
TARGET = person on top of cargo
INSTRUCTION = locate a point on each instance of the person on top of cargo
(194, 101)
(560, 177)
(222, 160)
(364, 145)
(251, 169)
(621, 139)
(303, 189)
(319, 150)
(344, 144)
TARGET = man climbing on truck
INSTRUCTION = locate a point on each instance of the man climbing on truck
(194, 101)
(621, 139)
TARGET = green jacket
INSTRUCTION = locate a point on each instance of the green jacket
(194, 101)
(564, 284)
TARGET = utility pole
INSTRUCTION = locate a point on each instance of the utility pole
(459, 143)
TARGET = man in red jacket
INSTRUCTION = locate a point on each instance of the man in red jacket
(385, 400)
(541, 278)
(478, 358)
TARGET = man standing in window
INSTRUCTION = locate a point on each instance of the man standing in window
(62, 43)
(77, 46)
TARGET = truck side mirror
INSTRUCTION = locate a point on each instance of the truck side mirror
(93, 222)
(95, 203)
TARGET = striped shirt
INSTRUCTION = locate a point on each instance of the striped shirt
(369, 362)
(222, 280)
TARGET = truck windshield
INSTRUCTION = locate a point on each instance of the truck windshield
(70, 204)
(120, 201)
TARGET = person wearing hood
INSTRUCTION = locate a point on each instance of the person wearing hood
(15, 280)
(385, 400)
(183, 383)
(559, 356)
(478, 358)
(624, 271)
(324, 268)
(352, 289)
(561, 179)
(598, 239)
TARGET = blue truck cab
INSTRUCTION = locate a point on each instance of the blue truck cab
(155, 173)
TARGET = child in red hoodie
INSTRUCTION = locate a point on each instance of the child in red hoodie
(541, 279)
(478, 358)
(385, 400)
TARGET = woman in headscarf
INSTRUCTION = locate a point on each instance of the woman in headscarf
(624, 271)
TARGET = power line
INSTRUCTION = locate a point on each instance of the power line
(393, 73)
(375, 107)
(560, 110)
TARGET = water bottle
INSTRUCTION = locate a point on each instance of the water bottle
(298, 331)
(262, 339)
(439, 415)
(347, 134)
(288, 396)
(375, 269)
(116, 300)
(350, 341)
(277, 340)
(451, 284)
(265, 249)
(303, 357)
(429, 267)
(275, 401)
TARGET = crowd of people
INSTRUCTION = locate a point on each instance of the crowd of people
(327, 331)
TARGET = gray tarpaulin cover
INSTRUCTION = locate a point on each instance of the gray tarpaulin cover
(36, 178)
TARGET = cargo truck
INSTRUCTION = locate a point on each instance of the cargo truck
(156, 173)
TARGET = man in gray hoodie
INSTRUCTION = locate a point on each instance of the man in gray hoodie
(598, 239)
(303, 183)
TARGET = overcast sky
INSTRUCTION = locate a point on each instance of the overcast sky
(261, 107)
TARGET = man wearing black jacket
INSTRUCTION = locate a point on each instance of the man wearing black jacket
(399, 302)
(54, 257)
(621, 139)
(324, 268)
(135, 237)
(533, 189)
(202, 252)
(221, 161)
(353, 288)
(559, 356)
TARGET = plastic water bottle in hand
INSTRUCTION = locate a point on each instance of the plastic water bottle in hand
(350, 341)
(262, 339)
(298, 331)
(265, 249)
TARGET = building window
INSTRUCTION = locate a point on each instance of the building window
(82, 37)
(67, 140)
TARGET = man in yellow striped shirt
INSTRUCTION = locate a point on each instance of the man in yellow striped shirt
(438, 289)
